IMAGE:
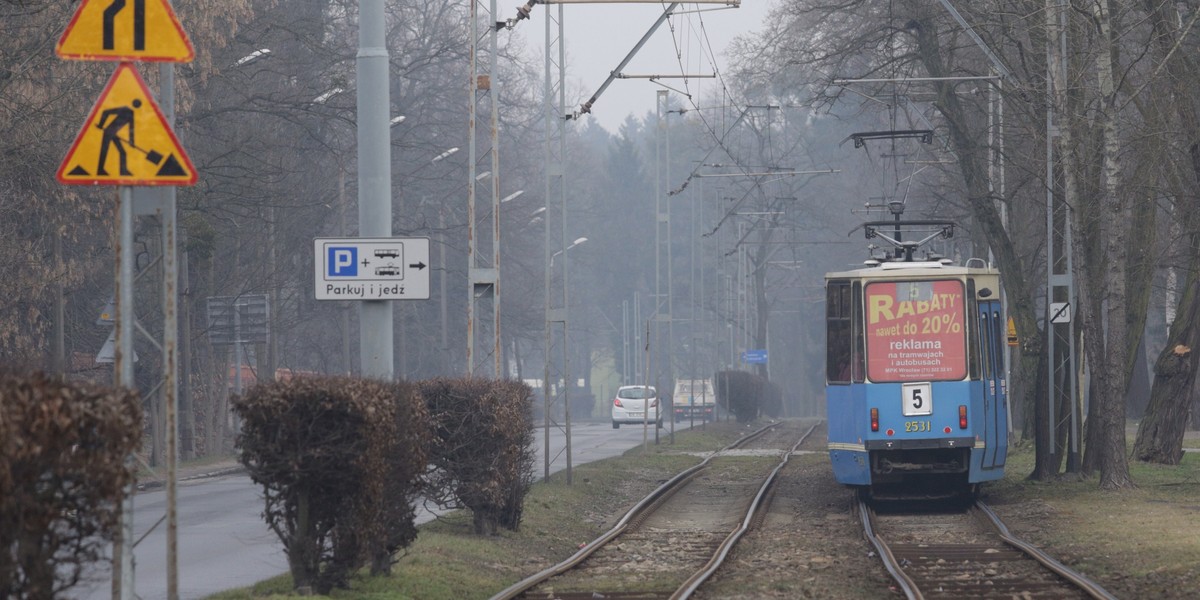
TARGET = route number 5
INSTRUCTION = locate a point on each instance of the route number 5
(917, 399)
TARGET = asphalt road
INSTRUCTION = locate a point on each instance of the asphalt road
(224, 543)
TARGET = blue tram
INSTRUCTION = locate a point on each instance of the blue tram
(915, 387)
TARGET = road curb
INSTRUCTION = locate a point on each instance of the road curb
(158, 484)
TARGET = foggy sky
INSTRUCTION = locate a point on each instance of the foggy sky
(598, 36)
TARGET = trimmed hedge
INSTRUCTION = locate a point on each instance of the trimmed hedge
(746, 395)
(483, 453)
(63, 475)
(339, 461)
(771, 401)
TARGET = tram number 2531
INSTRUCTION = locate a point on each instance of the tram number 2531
(917, 399)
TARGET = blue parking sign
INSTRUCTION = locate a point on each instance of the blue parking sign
(342, 261)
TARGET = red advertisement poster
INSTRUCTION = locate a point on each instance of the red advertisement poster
(915, 331)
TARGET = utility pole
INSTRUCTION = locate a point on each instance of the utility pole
(483, 267)
(1059, 269)
(554, 99)
(662, 248)
(376, 346)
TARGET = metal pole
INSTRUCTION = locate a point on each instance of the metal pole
(495, 108)
(562, 198)
(170, 341)
(692, 300)
(445, 359)
(624, 342)
(345, 310)
(472, 111)
(237, 348)
(670, 349)
(653, 365)
(374, 177)
(636, 332)
(123, 367)
(549, 162)
(1052, 395)
(646, 393)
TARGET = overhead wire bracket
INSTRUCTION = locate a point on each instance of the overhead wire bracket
(860, 139)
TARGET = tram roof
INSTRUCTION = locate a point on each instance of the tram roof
(910, 269)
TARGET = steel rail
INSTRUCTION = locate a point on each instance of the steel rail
(911, 590)
(907, 585)
(645, 504)
(697, 579)
(1092, 588)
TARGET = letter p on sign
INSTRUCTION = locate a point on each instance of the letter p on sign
(342, 261)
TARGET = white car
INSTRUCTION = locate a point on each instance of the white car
(630, 406)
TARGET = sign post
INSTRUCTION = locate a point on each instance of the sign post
(109, 151)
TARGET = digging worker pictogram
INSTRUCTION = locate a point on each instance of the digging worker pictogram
(122, 116)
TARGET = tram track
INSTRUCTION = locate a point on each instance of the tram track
(942, 553)
(676, 537)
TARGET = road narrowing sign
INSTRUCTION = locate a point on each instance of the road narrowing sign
(371, 268)
(144, 30)
(126, 140)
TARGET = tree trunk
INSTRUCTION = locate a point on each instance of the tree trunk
(1108, 351)
(1160, 433)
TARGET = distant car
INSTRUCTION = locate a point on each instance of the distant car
(630, 406)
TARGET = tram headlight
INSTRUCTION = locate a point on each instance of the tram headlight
(962, 416)
(874, 419)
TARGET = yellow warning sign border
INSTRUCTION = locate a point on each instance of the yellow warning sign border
(184, 160)
(143, 57)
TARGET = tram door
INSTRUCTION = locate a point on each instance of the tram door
(991, 340)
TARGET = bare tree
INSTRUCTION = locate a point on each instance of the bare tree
(1161, 431)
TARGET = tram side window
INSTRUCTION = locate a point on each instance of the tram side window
(998, 335)
(859, 355)
(973, 349)
(839, 332)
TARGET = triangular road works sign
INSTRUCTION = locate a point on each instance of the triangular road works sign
(145, 30)
(126, 140)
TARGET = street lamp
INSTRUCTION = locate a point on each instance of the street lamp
(252, 57)
(327, 95)
(513, 196)
(444, 154)
(577, 242)
(397, 120)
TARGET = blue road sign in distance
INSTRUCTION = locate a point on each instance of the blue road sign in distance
(754, 357)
